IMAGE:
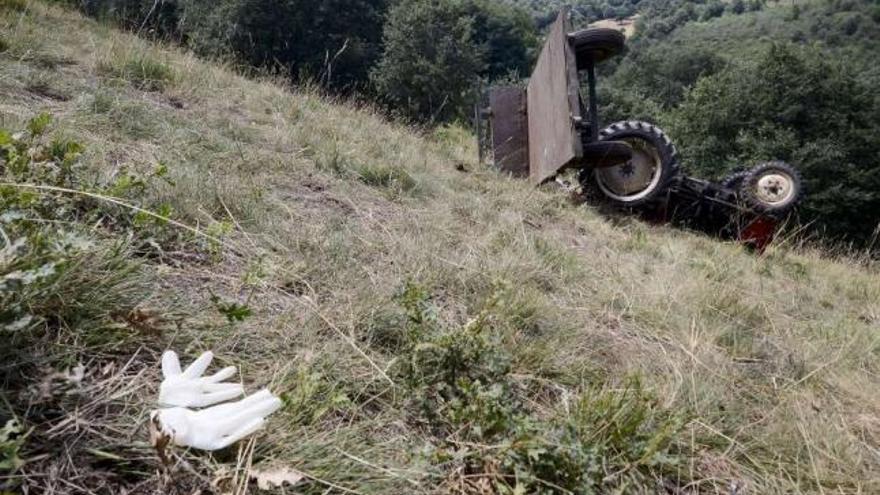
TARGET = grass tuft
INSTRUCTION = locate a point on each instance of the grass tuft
(143, 70)
(13, 5)
(395, 180)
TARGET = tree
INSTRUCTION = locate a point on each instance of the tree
(714, 8)
(506, 35)
(431, 60)
(738, 6)
(665, 74)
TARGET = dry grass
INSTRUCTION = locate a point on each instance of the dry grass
(327, 210)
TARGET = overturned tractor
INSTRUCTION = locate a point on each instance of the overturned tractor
(547, 128)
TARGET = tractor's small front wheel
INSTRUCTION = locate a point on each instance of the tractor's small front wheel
(646, 176)
(771, 188)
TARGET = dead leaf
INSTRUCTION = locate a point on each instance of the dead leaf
(276, 477)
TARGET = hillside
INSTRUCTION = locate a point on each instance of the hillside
(432, 326)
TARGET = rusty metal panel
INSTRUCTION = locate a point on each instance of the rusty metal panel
(553, 105)
(510, 133)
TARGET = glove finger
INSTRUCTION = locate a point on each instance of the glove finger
(231, 409)
(250, 412)
(248, 428)
(222, 387)
(221, 375)
(216, 397)
(262, 409)
(198, 367)
(170, 364)
(254, 398)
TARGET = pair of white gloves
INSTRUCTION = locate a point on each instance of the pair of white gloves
(214, 427)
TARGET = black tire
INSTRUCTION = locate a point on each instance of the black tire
(596, 44)
(733, 180)
(644, 179)
(772, 188)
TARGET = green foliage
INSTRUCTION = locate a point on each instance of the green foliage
(435, 52)
(611, 441)
(333, 42)
(459, 375)
(11, 440)
(583, 11)
(233, 311)
(158, 19)
(60, 282)
(430, 61)
(313, 395)
(795, 105)
(463, 391)
(506, 35)
(664, 74)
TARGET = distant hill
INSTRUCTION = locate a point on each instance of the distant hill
(583, 11)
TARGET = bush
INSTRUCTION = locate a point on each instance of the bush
(663, 74)
(613, 441)
(463, 392)
(51, 277)
(505, 34)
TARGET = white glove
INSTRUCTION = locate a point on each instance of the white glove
(189, 389)
(219, 426)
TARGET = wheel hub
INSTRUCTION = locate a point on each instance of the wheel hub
(634, 176)
(775, 188)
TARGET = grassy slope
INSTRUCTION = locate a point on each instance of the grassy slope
(332, 210)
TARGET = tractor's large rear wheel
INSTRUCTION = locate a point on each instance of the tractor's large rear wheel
(644, 178)
(595, 45)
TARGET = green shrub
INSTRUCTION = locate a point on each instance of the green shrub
(613, 441)
(462, 390)
(58, 279)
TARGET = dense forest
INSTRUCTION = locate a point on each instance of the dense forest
(733, 82)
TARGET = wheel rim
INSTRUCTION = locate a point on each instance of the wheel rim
(775, 188)
(635, 179)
